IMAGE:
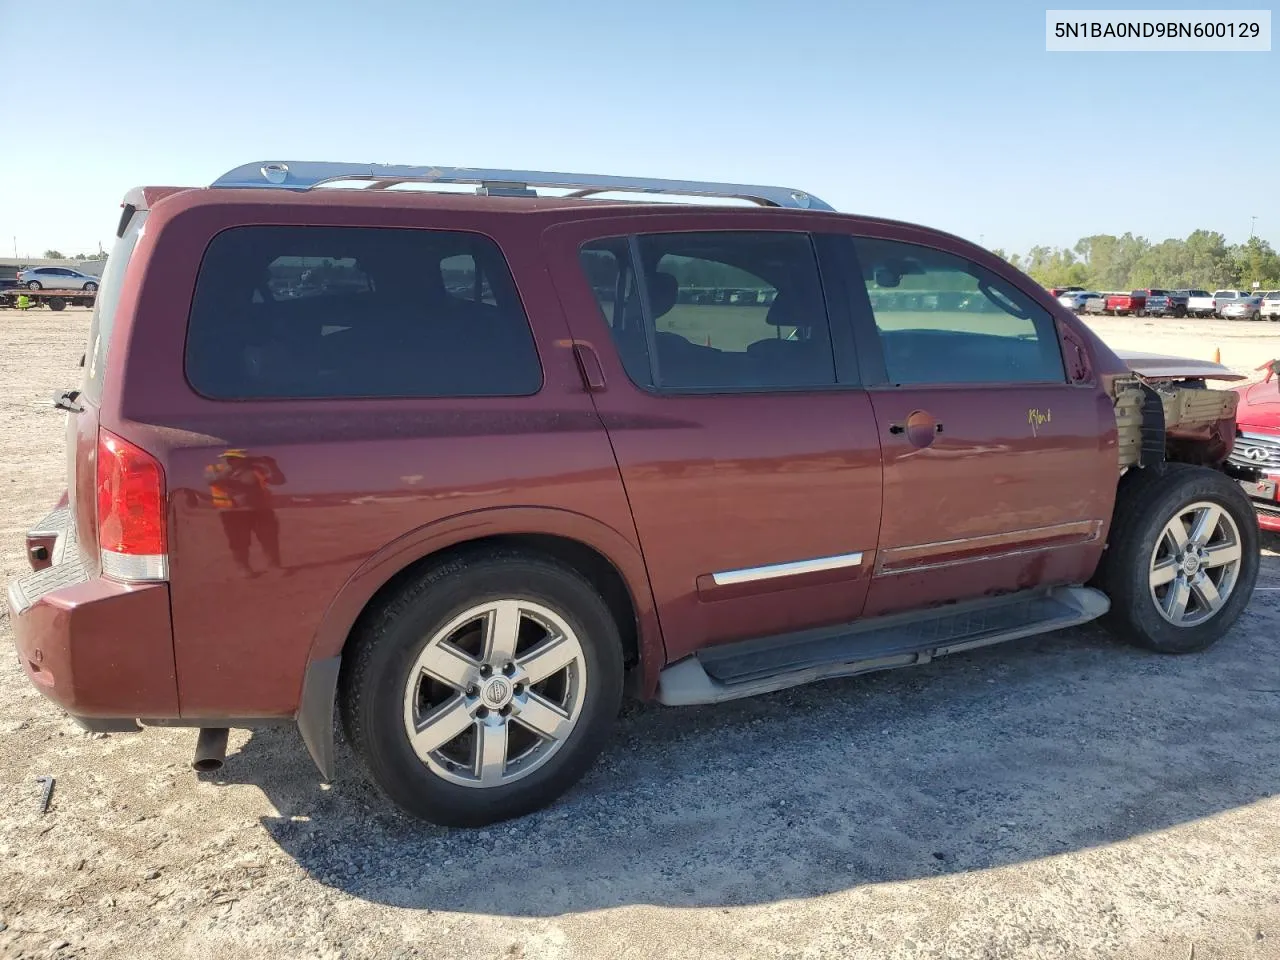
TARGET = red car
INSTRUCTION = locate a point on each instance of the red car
(1256, 454)
(465, 468)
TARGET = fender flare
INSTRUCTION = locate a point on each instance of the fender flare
(318, 697)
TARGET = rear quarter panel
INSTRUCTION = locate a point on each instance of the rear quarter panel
(357, 476)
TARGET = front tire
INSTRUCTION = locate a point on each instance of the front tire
(484, 690)
(90, 287)
(1182, 557)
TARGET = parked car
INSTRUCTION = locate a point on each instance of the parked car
(1164, 303)
(1244, 308)
(1223, 297)
(1270, 309)
(56, 278)
(1059, 291)
(468, 521)
(1096, 305)
(1256, 454)
(1076, 300)
(1123, 304)
(1200, 303)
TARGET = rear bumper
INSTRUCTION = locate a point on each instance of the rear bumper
(100, 649)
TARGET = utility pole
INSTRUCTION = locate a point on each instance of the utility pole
(1252, 223)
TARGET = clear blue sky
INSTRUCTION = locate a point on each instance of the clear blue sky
(950, 114)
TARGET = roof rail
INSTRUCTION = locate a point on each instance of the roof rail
(303, 175)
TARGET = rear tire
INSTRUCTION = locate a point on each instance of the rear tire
(34, 285)
(491, 624)
(1171, 598)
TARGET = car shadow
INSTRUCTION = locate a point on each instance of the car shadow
(1004, 755)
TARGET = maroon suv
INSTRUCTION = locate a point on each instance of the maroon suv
(465, 467)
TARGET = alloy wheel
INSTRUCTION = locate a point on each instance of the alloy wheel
(1195, 564)
(495, 693)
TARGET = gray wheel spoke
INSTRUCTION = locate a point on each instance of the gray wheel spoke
(1222, 554)
(548, 658)
(442, 725)
(491, 753)
(543, 717)
(1206, 592)
(1177, 534)
(449, 665)
(502, 630)
(1163, 572)
(1206, 521)
(1175, 601)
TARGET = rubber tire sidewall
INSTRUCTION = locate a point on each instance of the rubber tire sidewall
(1145, 504)
(373, 688)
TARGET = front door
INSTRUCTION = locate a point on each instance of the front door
(748, 451)
(999, 473)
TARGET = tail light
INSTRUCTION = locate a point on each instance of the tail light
(131, 528)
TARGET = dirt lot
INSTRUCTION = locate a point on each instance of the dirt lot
(1059, 797)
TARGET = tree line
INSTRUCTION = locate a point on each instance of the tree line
(59, 255)
(1204, 261)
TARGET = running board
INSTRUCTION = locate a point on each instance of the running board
(762, 665)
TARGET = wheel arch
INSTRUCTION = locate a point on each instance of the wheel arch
(608, 560)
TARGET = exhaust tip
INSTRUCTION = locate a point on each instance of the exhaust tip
(211, 750)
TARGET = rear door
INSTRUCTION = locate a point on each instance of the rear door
(746, 446)
(999, 471)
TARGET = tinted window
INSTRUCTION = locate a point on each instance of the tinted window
(715, 311)
(944, 319)
(465, 280)
(355, 312)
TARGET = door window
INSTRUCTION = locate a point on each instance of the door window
(944, 319)
(717, 311)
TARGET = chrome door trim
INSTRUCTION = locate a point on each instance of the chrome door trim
(794, 568)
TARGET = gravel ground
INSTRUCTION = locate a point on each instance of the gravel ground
(1059, 797)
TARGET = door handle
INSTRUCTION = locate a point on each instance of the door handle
(900, 428)
(589, 367)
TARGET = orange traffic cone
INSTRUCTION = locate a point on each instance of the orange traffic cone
(1217, 355)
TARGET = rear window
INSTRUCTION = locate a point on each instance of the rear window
(329, 312)
(104, 306)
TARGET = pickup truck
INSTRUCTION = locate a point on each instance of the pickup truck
(1270, 306)
(1200, 303)
(1165, 303)
(1123, 304)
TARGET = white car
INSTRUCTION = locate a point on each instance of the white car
(56, 278)
(1076, 299)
